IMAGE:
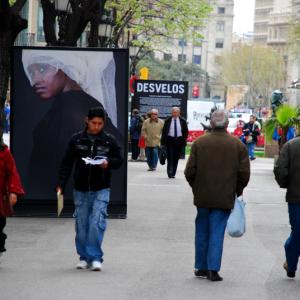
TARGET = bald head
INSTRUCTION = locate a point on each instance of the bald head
(219, 119)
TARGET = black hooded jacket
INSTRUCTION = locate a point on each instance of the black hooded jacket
(89, 177)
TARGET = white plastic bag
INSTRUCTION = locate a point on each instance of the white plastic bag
(236, 225)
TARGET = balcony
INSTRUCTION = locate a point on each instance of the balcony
(25, 39)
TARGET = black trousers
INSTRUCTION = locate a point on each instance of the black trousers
(2, 234)
(135, 150)
(174, 149)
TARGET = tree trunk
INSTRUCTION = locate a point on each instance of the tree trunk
(11, 24)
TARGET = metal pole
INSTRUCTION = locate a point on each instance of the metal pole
(182, 63)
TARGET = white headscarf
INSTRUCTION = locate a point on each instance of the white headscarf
(93, 71)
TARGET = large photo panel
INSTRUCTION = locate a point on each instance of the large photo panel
(52, 91)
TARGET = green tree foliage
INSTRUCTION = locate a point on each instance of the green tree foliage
(173, 70)
(261, 68)
(152, 21)
(286, 116)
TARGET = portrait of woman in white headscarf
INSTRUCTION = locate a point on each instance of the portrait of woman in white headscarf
(73, 81)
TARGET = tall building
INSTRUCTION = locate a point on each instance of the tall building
(217, 40)
(261, 20)
(33, 35)
(271, 28)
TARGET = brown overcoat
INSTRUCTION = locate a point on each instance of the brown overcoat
(217, 170)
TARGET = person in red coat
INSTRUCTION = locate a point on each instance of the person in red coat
(10, 189)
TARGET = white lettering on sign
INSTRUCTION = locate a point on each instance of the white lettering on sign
(160, 88)
(139, 87)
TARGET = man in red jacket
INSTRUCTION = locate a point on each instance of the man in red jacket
(10, 190)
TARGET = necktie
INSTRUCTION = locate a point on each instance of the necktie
(175, 127)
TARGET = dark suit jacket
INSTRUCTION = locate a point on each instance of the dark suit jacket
(166, 129)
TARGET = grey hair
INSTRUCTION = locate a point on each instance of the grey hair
(154, 110)
(176, 108)
(219, 119)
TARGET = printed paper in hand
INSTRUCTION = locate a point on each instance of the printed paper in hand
(98, 160)
(60, 203)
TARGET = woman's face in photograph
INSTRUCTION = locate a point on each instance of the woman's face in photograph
(46, 80)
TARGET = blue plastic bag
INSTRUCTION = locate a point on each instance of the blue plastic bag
(236, 225)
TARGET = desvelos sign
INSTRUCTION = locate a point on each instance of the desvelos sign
(164, 88)
(162, 95)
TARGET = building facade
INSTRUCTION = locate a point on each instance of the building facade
(273, 19)
(217, 40)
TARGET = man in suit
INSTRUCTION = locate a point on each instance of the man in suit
(174, 135)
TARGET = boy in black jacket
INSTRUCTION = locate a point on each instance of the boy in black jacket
(91, 185)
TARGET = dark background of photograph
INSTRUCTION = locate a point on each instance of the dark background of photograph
(27, 109)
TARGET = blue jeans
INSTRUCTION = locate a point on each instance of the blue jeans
(210, 229)
(292, 245)
(251, 147)
(152, 157)
(90, 214)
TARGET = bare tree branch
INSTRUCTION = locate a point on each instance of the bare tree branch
(18, 5)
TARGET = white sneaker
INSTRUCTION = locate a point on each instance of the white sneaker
(82, 265)
(96, 266)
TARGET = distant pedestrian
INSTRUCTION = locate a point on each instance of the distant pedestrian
(251, 132)
(287, 175)
(7, 117)
(174, 135)
(136, 124)
(91, 185)
(10, 189)
(218, 170)
(151, 131)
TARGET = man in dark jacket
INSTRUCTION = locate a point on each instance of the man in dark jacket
(218, 170)
(251, 132)
(174, 135)
(136, 124)
(287, 175)
(91, 185)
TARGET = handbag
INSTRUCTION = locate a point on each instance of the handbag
(162, 155)
(236, 224)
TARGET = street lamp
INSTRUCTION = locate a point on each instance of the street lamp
(133, 52)
(63, 9)
(105, 28)
(61, 5)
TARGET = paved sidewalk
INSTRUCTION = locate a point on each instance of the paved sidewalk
(150, 255)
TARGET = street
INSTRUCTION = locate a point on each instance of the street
(150, 255)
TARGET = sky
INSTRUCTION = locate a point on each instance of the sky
(243, 16)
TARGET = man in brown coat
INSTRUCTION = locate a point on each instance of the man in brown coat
(151, 131)
(218, 170)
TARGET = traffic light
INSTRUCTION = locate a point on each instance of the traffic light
(195, 91)
(144, 73)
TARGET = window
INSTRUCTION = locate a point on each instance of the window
(180, 57)
(182, 43)
(40, 28)
(167, 56)
(220, 26)
(219, 44)
(197, 59)
(221, 10)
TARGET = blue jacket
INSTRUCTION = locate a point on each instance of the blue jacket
(136, 123)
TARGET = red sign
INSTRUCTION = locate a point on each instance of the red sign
(195, 91)
(131, 83)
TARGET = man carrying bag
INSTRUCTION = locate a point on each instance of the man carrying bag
(217, 170)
